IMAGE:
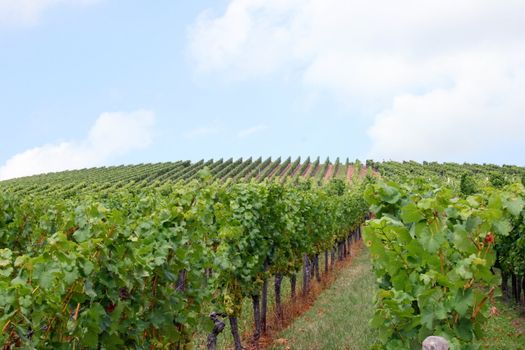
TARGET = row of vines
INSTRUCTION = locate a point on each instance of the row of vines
(138, 268)
(68, 184)
(434, 251)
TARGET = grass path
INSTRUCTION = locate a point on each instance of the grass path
(339, 317)
(506, 330)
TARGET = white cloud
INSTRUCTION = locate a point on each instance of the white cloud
(415, 67)
(252, 130)
(112, 135)
(247, 40)
(28, 12)
(481, 113)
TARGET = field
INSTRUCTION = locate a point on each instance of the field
(296, 254)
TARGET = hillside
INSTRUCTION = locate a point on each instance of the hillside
(106, 179)
(142, 256)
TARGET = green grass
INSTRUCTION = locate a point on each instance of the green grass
(339, 317)
(506, 330)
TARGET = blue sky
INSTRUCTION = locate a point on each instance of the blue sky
(99, 82)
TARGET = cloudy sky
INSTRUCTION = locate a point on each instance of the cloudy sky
(99, 82)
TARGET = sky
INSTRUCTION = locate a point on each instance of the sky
(88, 83)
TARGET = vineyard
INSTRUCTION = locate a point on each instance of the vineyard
(107, 179)
(158, 256)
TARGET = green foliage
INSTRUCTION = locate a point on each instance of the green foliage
(498, 180)
(432, 255)
(510, 244)
(128, 269)
(467, 184)
(449, 173)
(119, 257)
